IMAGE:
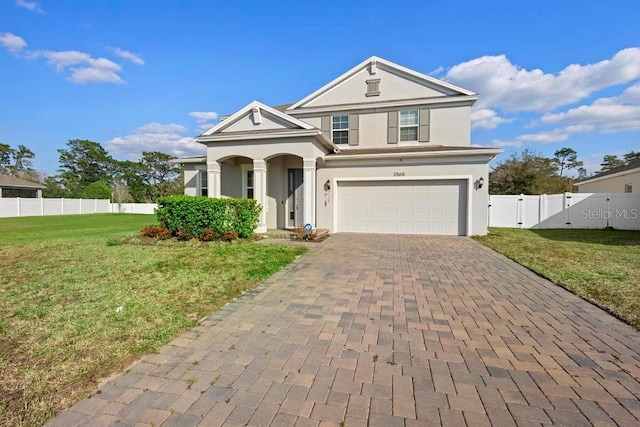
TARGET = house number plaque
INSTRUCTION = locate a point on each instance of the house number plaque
(398, 174)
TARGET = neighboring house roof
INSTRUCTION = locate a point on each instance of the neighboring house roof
(13, 182)
(631, 167)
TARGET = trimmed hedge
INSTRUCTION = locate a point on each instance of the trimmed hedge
(201, 217)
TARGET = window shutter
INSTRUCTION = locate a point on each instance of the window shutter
(325, 126)
(424, 125)
(353, 129)
(392, 135)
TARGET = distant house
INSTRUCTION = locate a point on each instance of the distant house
(380, 149)
(10, 186)
(623, 179)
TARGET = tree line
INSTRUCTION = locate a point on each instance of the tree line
(529, 172)
(86, 170)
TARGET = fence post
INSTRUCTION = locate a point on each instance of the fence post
(519, 210)
(608, 199)
(62, 206)
(566, 205)
(542, 209)
(41, 206)
(18, 206)
(489, 213)
(95, 205)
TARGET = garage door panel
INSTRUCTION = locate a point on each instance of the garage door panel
(404, 207)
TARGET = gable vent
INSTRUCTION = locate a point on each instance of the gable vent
(257, 119)
(373, 87)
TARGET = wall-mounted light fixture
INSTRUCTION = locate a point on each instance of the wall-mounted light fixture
(480, 182)
(327, 185)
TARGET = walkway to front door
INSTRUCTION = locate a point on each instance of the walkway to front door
(385, 330)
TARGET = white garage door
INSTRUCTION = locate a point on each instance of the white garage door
(402, 207)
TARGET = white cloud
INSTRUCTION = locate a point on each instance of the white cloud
(607, 114)
(12, 43)
(92, 70)
(508, 87)
(30, 5)
(547, 137)
(203, 127)
(167, 138)
(125, 54)
(486, 118)
(155, 127)
(204, 116)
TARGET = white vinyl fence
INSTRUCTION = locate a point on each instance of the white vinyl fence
(17, 206)
(568, 210)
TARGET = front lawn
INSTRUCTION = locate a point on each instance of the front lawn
(75, 305)
(601, 266)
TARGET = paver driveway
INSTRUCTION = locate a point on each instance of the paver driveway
(387, 330)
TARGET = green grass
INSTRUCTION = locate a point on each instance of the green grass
(601, 266)
(77, 305)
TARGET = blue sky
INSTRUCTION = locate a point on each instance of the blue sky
(150, 75)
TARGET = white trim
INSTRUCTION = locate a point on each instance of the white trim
(378, 61)
(336, 180)
(254, 136)
(419, 154)
(613, 175)
(249, 108)
(427, 102)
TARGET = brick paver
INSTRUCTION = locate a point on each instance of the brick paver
(384, 331)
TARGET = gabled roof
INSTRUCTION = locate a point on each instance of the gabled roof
(376, 61)
(13, 182)
(248, 109)
(620, 170)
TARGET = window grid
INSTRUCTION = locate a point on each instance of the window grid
(340, 129)
(204, 183)
(409, 124)
(249, 184)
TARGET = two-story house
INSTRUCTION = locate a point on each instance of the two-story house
(380, 149)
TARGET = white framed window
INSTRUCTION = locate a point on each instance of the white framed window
(340, 129)
(204, 183)
(409, 125)
(628, 188)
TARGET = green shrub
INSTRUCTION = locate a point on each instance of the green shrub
(96, 190)
(204, 218)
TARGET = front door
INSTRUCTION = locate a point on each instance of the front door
(295, 201)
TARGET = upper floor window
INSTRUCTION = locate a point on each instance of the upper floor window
(628, 188)
(204, 184)
(340, 129)
(409, 124)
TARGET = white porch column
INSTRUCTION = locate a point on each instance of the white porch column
(260, 192)
(309, 191)
(213, 179)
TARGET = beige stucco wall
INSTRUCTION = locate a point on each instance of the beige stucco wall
(305, 147)
(392, 87)
(448, 125)
(267, 122)
(191, 183)
(453, 168)
(614, 184)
